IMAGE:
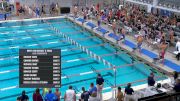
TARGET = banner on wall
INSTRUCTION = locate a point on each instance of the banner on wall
(165, 12)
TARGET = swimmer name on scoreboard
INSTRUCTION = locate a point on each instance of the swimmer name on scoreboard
(39, 68)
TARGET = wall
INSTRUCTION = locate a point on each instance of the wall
(62, 3)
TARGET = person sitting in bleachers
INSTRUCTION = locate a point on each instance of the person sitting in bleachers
(120, 95)
(58, 94)
(100, 84)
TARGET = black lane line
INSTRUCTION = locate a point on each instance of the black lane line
(7, 79)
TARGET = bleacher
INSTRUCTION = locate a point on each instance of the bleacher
(173, 4)
(145, 1)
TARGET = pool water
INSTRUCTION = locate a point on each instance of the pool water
(37, 35)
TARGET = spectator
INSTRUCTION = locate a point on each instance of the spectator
(70, 95)
(99, 83)
(94, 97)
(92, 89)
(18, 99)
(50, 96)
(178, 50)
(177, 86)
(175, 77)
(45, 91)
(43, 10)
(24, 97)
(128, 93)
(58, 94)
(120, 96)
(37, 96)
(151, 80)
(84, 95)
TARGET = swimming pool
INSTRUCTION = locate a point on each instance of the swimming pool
(37, 34)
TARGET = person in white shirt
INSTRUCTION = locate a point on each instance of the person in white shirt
(70, 95)
(178, 49)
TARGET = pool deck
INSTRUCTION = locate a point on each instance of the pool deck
(168, 56)
(108, 95)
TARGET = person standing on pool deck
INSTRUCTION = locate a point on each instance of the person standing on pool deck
(50, 96)
(120, 96)
(37, 96)
(163, 47)
(151, 80)
(139, 42)
(128, 93)
(99, 83)
(178, 50)
(70, 95)
(84, 16)
(92, 89)
(98, 21)
(114, 26)
(58, 94)
(24, 97)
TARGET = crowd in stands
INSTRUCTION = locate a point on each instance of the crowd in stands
(173, 4)
(157, 31)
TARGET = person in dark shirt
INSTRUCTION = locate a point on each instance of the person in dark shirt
(99, 83)
(128, 93)
(84, 95)
(99, 80)
(24, 97)
(175, 75)
(177, 85)
(129, 90)
(37, 96)
(151, 80)
(18, 99)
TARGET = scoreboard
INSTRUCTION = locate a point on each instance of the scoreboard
(39, 68)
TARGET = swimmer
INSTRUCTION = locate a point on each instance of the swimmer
(98, 21)
(122, 36)
(75, 11)
(139, 42)
(114, 26)
(163, 47)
